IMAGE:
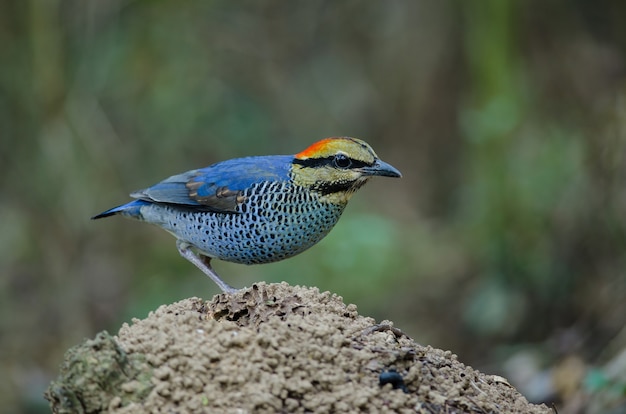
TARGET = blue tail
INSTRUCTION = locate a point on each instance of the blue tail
(129, 209)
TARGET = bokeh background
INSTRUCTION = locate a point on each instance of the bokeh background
(503, 242)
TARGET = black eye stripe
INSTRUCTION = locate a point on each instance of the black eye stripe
(329, 161)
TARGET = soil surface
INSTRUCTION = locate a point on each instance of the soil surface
(271, 348)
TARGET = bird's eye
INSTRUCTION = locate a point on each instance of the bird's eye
(342, 161)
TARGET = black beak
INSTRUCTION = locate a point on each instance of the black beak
(382, 169)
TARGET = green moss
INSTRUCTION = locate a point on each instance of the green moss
(94, 372)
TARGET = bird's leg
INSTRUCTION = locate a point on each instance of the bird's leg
(203, 263)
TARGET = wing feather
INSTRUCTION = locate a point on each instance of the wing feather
(219, 187)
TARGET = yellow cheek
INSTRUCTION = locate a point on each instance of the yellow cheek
(308, 177)
(311, 177)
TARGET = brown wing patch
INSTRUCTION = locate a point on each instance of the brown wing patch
(224, 199)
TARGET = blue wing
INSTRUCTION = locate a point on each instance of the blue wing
(220, 186)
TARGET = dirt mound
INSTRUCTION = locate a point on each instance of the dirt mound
(271, 348)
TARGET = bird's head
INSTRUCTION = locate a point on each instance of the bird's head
(337, 167)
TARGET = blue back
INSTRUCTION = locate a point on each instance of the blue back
(228, 176)
(213, 188)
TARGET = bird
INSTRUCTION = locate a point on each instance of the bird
(257, 209)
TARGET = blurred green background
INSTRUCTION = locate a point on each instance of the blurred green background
(503, 242)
